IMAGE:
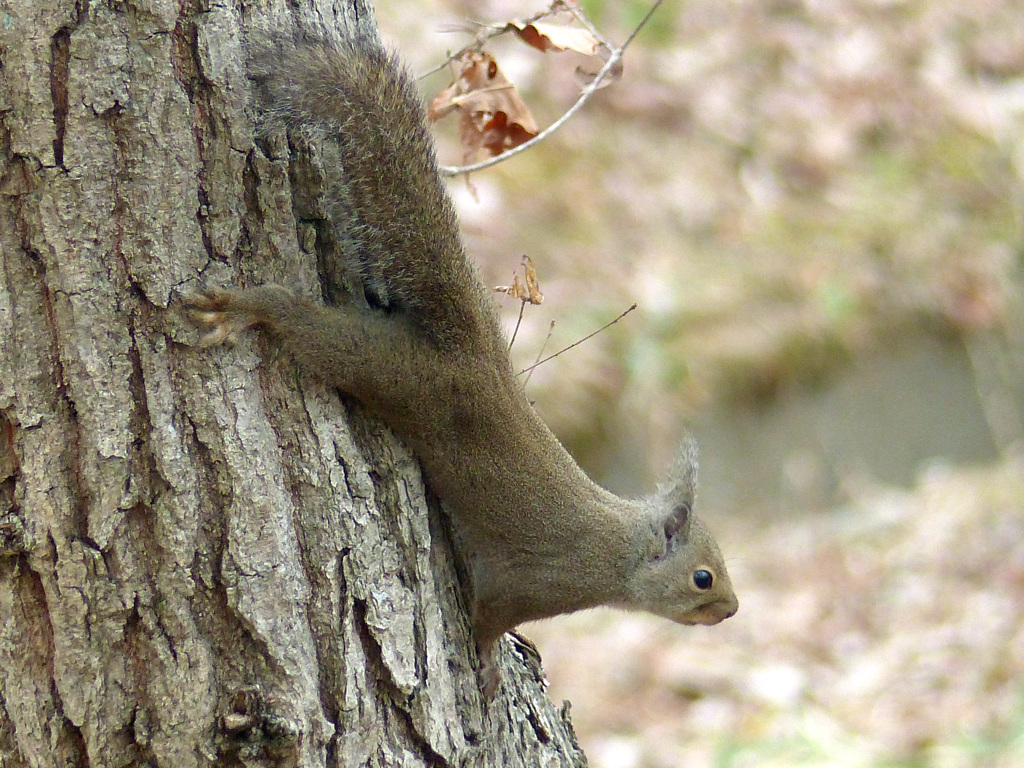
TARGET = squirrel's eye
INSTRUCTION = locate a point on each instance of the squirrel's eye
(703, 580)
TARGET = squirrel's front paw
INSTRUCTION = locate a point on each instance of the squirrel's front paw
(219, 314)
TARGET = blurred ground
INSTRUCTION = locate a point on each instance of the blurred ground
(887, 632)
(790, 191)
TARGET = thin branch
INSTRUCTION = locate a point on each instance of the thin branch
(583, 19)
(551, 329)
(585, 96)
(577, 343)
(522, 309)
(641, 25)
(489, 31)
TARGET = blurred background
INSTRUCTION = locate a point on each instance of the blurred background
(817, 207)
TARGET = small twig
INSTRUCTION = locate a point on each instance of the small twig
(583, 19)
(551, 329)
(522, 309)
(588, 92)
(489, 31)
(577, 343)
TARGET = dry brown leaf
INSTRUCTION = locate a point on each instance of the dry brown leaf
(532, 284)
(530, 292)
(491, 114)
(557, 37)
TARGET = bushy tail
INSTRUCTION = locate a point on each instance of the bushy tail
(384, 195)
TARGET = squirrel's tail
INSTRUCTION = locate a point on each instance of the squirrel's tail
(384, 196)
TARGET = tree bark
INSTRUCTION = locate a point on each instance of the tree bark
(206, 556)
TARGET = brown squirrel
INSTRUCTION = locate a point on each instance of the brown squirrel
(430, 360)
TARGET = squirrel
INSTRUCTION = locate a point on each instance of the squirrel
(427, 356)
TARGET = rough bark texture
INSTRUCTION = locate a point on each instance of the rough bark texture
(205, 557)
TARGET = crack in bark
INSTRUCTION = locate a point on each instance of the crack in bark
(60, 56)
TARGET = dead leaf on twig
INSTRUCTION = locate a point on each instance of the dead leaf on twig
(557, 37)
(491, 114)
(530, 292)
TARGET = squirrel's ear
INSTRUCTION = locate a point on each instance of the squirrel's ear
(677, 524)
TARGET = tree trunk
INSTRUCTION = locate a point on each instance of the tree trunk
(206, 557)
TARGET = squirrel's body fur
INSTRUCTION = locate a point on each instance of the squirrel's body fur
(541, 538)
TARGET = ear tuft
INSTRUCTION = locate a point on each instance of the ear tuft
(680, 488)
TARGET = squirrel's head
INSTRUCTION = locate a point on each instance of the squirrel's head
(681, 575)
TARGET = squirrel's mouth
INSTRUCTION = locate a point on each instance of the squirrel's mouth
(709, 614)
